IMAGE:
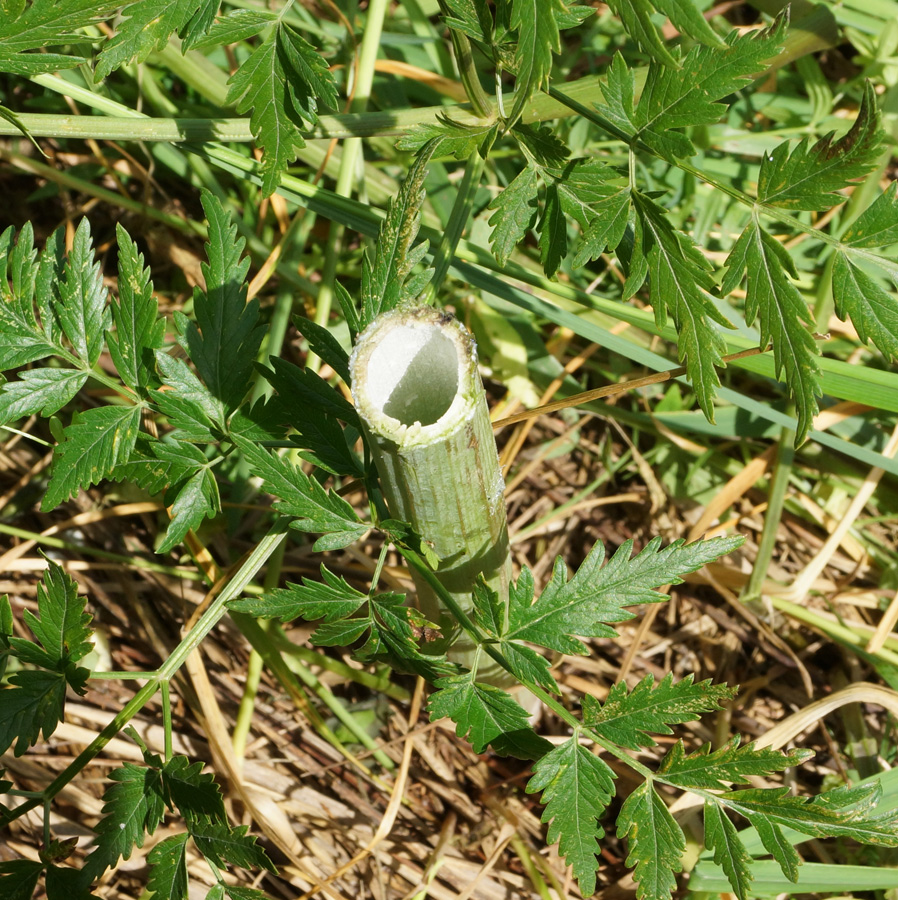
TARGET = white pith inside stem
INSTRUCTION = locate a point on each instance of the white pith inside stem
(417, 389)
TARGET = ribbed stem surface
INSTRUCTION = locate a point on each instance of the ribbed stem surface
(417, 389)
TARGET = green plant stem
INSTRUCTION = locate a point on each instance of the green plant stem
(166, 719)
(776, 498)
(349, 162)
(458, 219)
(467, 70)
(262, 640)
(164, 673)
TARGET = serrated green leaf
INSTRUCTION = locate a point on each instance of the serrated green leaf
(527, 665)
(47, 23)
(18, 878)
(63, 883)
(32, 704)
(82, 310)
(138, 331)
(62, 624)
(877, 225)
(681, 283)
(470, 17)
(538, 39)
(6, 632)
(687, 96)
(22, 339)
(222, 844)
(655, 843)
(199, 24)
(596, 597)
(309, 81)
(43, 391)
(783, 314)
(258, 85)
(168, 872)
(636, 17)
(486, 715)
(195, 794)
(147, 471)
(324, 344)
(237, 25)
(300, 389)
(541, 145)
(384, 276)
(282, 59)
(329, 599)
(147, 26)
(241, 892)
(303, 497)
(552, 233)
(813, 818)
(455, 138)
(96, 442)
(133, 807)
(577, 787)
(809, 177)
(224, 341)
(729, 851)
(190, 406)
(731, 763)
(873, 311)
(629, 719)
(515, 213)
(395, 629)
(191, 500)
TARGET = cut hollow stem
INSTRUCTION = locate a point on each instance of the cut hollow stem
(417, 389)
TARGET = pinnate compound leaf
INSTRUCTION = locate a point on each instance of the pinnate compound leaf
(225, 339)
(730, 854)
(577, 787)
(95, 443)
(46, 23)
(138, 330)
(32, 704)
(316, 509)
(596, 596)
(383, 277)
(258, 85)
(784, 316)
(817, 817)
(43, 391)
(82, 308)
(687, 96)
(486, 715)
(680, 283)
(221, 844)
(655, 843)
(629, 719)
(168, 872)
(148, 472)
(731, 763)
(133, 806)
(809, 177)
(515, 213)
(330, 599)
(282, 59)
